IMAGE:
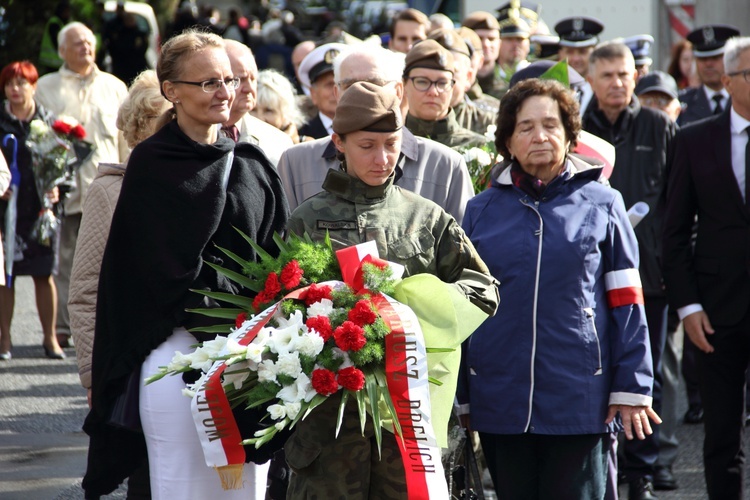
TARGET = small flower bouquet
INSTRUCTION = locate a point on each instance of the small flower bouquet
(52, 154)
(481, 160)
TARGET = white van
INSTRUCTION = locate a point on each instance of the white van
(144, 16)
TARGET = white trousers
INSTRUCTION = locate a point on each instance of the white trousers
(175, 456)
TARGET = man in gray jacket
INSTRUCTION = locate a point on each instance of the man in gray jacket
(426, 167)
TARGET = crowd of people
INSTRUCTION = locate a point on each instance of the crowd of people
(569, 385)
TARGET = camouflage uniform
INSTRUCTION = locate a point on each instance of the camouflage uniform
(472, 117)
(494, 83)
(482, 100)
(411, 231)
(446, 131)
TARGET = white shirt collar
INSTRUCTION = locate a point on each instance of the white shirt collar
(327, 122)
(711, 93)
(738, 123)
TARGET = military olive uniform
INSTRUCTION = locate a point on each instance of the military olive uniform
(494, 83)
(482, 100)
(411, 231)
(472, 117)
(446, 131)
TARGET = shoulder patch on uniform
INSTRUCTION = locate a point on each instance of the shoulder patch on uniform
(336, 224)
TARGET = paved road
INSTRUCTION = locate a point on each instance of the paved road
(42, 406)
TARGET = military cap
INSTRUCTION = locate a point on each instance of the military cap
(428, 54)
(473, 42)
(657, 81)
(451, 40)
(481, 20)
(538, 68)
(579, 31)
(367, 106)
(640, 46)
(526, 11)
(319, 62)
(708, 41)
(545, 46)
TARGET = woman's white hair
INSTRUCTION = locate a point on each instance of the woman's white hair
(275, 91)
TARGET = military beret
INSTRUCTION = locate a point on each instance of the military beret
(428, 54)
(471, 38)
(367, 106)
(708, 41)
(451, 40)
(318, 62)
(579, 31)
(657, 81)
(640, 46)
(481, 20)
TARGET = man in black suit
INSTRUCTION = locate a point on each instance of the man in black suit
(709, 283)
(711, 97)
(316, 73)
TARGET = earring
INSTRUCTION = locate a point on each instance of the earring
(177, 101)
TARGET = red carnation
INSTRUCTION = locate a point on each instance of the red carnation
(61, 127)
(320, 324)
(316, 293)
(241, 318)
(272, 287)
(349, 337)
(324, 382)
(78, 132)
(362, 314)
(291, 275)
(351, 378)
(261, 299)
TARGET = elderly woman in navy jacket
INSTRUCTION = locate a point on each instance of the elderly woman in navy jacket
(545, 379)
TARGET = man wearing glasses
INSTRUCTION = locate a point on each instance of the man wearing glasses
(428, 85)
(708, 282)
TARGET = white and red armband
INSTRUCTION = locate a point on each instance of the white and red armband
(623, 288)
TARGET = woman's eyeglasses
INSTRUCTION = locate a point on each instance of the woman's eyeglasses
(423, 84)
(211, 86)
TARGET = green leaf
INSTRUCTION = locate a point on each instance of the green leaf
(435, 381)
(342, 407)
(558, 72)
(373, 392)
(316, 401)
(261, 253)
(217, 312)
(283, 247)
(239, 260)
(237, 300)
(361, 409)
(383, 382)
(439, 349)
(236, 277)
(302, 411)
(213, 328)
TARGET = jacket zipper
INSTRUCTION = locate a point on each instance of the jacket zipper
(590, 315)
(540, 234)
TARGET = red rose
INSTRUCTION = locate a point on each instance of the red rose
(241, 318)
(351, 378)
(362, 313)
(61, 127)
(324, 382)
(291, 275)
(316, 293)
(349, 337)
(272, 287)
(78, 132)
(320, 324)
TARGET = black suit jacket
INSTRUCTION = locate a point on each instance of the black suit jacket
(716, 272)
(314, 128)
(696, 106)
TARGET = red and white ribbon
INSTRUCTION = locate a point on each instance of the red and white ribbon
(623, 288)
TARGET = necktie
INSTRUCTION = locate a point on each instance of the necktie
(717, 98)
(232, 132)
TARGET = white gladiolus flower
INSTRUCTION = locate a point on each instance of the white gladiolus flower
(478, 155)
(281, 425)
(305, 388)
(277, 412)
(294, 320)
(309, 344)
(292, 409)
(215, 347)
(281, 337)
(323, 307)
(288, 364)
(267, 371)
(236, 375)
(179, 361)
(235, 348)
(201, 360)
(290, 394)
(254, 352)
(490, 134)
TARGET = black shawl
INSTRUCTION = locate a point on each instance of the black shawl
(172, 210)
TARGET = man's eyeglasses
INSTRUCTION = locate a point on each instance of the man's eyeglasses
(744, 72)
(211, 86)
(423, 84)
(659, 102)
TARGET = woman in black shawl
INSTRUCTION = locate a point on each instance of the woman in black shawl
(185, 191)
